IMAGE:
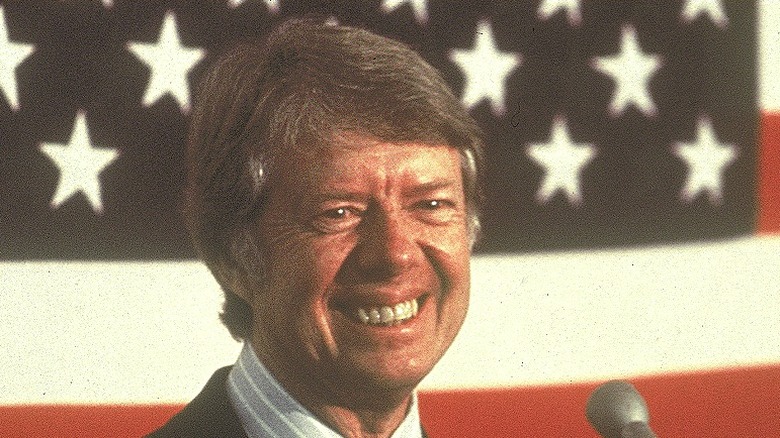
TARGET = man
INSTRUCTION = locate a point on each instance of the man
(333, 193)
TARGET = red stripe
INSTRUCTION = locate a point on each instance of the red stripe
(769, 175)
(83, 421)
(729, 403)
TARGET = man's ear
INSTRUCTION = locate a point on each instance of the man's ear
(232, 277)
(239, 271)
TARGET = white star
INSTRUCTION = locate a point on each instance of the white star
(108, 3)
(632, 71)
(713, 8)
(418, 6)
(563, 161)
(548, 8)
(706, 160)
(11, 55)
(170, 62)
(79, 164)
(486, 69)
(332, 21)
(273, 5)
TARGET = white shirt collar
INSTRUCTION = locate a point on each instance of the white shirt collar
(266, 409)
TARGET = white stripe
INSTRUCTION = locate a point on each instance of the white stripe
(583, 316)
(247, 405)
(769, 55)
(245, 377)
(149, 333)
(101, 332)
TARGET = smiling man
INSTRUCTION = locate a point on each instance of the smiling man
(332, 191)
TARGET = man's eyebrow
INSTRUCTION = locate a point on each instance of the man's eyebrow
(356, 196)
(335, 195)
(430, 186)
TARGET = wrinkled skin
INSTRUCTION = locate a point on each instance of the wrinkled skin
(360, 224)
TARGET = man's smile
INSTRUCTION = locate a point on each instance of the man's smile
(384, 314)
(388, 315)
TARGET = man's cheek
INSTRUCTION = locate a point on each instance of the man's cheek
(328, 254)
(291, 252)
(450, 243)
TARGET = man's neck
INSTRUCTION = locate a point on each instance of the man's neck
(363, 424)
(367, 412)
(371, 415)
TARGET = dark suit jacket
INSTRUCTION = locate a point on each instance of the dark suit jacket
(209, 415)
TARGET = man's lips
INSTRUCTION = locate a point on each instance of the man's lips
(380, 315)
(388, 315)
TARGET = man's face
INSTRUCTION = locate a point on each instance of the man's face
(367, 267)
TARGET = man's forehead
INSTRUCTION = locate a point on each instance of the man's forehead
(351, 141)
(357, 156)
(356, 160)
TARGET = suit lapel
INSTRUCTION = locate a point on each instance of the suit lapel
(210, 414)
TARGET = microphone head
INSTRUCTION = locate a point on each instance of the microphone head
(613, 405)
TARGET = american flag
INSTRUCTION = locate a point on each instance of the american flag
(630, 227)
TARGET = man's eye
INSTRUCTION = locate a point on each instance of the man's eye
(437, 211)
(336, 213)
(433, 204)
(337, 219)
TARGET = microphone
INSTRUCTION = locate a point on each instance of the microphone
(616, 410)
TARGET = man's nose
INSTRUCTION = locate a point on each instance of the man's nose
(387, 244)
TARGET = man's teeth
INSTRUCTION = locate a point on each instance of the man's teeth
(388, 315)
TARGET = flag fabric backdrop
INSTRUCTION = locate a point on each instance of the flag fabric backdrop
(633, 207)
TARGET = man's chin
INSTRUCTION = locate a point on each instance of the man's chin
(401, 370)
(365, 386)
